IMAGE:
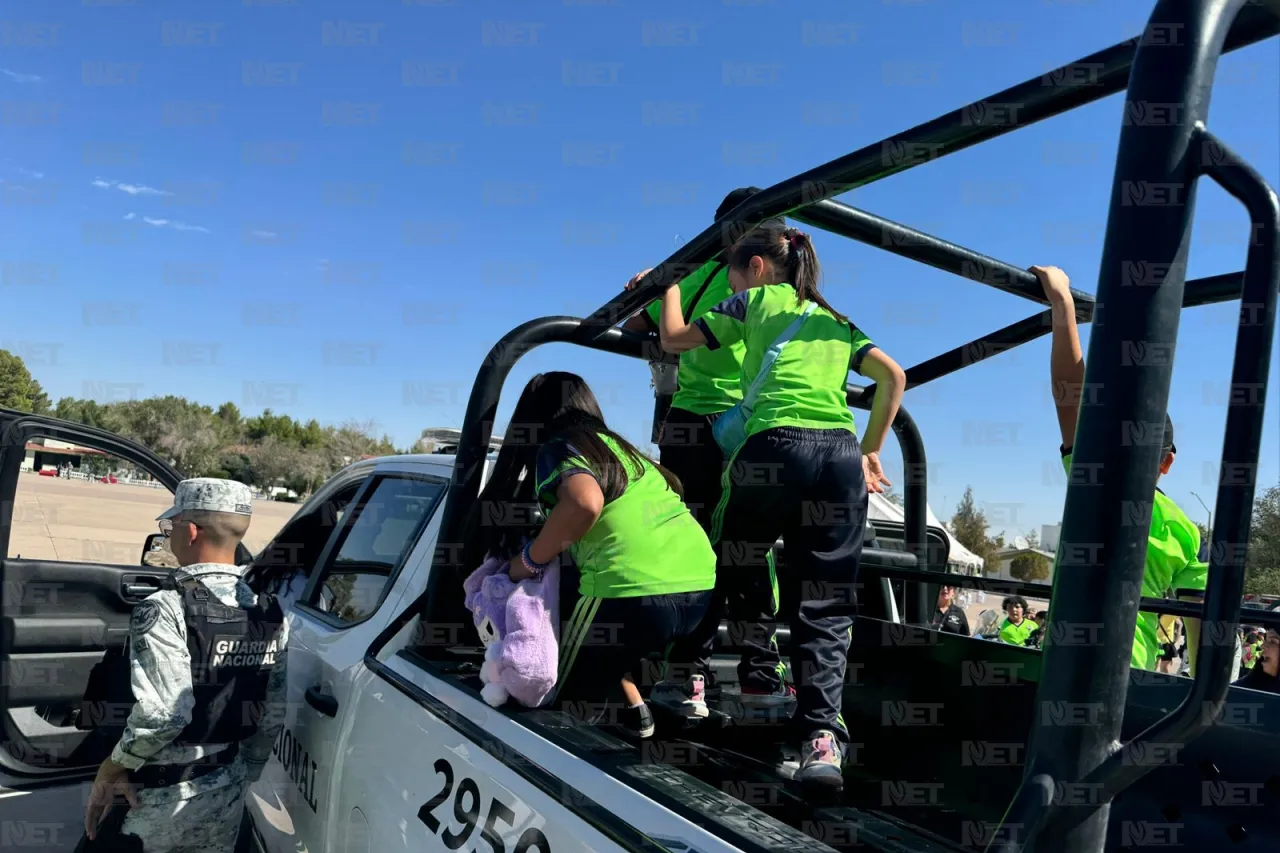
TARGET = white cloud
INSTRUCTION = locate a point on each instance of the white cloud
(139, 189)
(131, 189)
(31, 173)
(264, 235)
(174, 224)
(166, 223)
(19, 77)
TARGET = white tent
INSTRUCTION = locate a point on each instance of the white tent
(882, 509)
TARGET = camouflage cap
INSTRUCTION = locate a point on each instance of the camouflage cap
(210, 494)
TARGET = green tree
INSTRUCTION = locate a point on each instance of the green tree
(1262, 562)
(272, 461)
(1033, 538)
(1264, 530)
(969, 526)
(1030, 567)
(1262, 581)
(18, 390)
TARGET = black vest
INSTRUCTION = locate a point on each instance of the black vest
(232, 652)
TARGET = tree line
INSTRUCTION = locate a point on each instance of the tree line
(1262, 561)
(202, 441)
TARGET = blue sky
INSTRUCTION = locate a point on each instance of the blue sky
(335, 209)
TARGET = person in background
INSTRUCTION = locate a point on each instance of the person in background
(802, 432)
(709, 382)
(1251, 647)
(202, 726)
(1265, 675)
(1016, 628)
(1176, 558)
(1036, 639)
(645, 567)
(948, 617)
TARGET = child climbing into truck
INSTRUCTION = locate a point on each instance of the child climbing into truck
(798, 472)
(646, 569)
(1176, 557)
(708, 383)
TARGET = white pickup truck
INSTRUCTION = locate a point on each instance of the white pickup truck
(392, 756)
(388, 745)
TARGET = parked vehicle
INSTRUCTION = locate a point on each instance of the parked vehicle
(960, 744)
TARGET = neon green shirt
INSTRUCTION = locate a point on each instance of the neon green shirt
(645, 541)
(806, 387)
(1016, 635)
(1176, 559)
(709, 380)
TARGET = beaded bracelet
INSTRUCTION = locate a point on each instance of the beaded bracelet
(535, 568)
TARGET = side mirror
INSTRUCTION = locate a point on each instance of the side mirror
(156, 553)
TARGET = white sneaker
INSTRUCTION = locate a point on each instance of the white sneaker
(820, 761)
(687, 700)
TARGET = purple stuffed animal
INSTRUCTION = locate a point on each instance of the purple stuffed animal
(519, 625)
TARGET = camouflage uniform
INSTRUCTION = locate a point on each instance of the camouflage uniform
(203, 814)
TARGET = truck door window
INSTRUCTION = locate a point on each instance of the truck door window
(377, 537)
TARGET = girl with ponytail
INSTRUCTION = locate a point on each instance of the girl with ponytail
(801, 474)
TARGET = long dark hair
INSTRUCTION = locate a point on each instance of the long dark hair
(790, 251)
(556, 406)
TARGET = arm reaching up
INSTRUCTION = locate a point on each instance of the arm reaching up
(1066, 359)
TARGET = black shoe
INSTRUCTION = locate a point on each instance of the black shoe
(637, 721)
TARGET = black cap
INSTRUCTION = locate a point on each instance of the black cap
(1167, 445)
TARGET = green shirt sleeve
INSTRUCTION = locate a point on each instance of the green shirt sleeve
(1195, 574)
(556, 461)
(689, 287)
(861, 346)
(726, 324)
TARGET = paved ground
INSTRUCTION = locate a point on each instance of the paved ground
(78, 521)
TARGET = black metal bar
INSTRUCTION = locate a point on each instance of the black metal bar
(1141, 280)
(1236, 481)
(482, 407)
(1146, 604)
(915, 496)
(1084, 81)
(906, 242)
(1201, 291)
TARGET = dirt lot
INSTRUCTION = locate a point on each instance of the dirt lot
(77, 521)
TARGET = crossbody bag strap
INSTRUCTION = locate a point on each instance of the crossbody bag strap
(771, 355)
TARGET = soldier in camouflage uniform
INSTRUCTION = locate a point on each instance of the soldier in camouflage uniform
(207, 521)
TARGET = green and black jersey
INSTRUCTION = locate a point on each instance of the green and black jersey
(806, 387)
(709, 380)
(645, 542)
(1176, 559)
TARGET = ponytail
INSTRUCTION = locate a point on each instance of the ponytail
(803, 270)
(791, 252)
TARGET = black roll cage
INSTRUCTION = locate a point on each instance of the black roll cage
(1143, 288)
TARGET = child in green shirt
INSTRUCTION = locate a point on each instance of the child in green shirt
(1176, 556)
(800, 474)
(646, 568)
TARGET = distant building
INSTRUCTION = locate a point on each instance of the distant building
(1005, 557)
(45, 453)
(444, 440)
(1049, 536)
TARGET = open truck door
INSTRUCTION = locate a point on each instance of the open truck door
(73, 568)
